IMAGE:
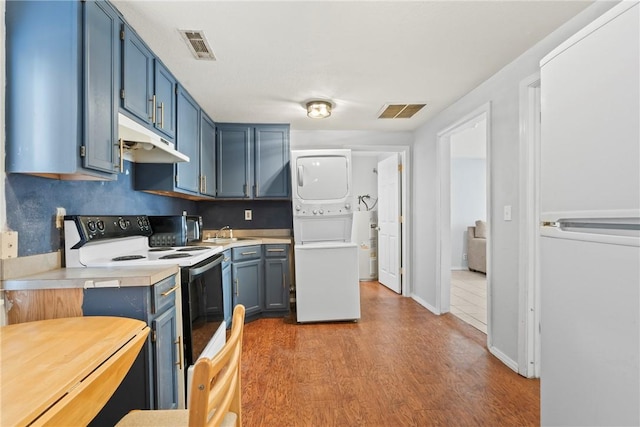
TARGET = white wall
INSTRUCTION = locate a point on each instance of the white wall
(502, 91)
(365, 180)
(354, 139)
(468, 203)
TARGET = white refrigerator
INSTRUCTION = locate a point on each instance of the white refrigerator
(590, 231)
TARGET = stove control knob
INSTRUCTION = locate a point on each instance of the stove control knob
(100, 225)
(91, 226)
(122, 224)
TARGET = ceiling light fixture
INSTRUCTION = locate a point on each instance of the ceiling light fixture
(318, 109)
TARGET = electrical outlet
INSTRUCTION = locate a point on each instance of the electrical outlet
(507, 213)
(248, 215)
(60, 213)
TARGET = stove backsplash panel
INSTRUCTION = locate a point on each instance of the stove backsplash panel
(266, 214)
(32, 203)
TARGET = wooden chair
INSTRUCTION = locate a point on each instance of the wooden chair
(215, 390)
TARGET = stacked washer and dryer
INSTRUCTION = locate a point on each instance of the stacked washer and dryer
(326, 259)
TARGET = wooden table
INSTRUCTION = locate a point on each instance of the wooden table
(63, 371)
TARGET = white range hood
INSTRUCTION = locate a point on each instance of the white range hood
(141, 145)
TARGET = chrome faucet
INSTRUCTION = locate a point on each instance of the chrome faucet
(226, 227)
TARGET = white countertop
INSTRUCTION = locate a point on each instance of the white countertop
(90, 277)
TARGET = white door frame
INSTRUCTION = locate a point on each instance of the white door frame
(404, 154)
(443, 210)
(529, 286)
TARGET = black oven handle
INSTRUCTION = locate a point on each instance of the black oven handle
(208, 266)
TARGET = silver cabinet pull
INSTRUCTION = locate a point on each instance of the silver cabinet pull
(237, 288)
(161, 115)
(179, 342)
(153, 109)
(170, 291)
(249, 253)
(275, 250)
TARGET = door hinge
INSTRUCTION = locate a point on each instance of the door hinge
(122, 32)
(176, 179)
(401, 271)
(83, 151)
(122, 93)
(153, 336)
(553, 224)
(401, 219)
(400, 167)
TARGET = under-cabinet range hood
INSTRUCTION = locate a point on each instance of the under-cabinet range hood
(141, 145)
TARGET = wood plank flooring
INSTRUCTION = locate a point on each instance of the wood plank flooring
(399, 365)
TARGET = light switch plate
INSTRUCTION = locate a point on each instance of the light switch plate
(8, 244)
(248, 215)
(507, 213)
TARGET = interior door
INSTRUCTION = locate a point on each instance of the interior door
(389, 223)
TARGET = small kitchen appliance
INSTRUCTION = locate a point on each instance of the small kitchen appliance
(120, 241)
(175, 230)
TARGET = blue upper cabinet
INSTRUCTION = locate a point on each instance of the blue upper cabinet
(148, 88)
(271, 161)
(137, 77)
(188, 142)
(62, 61)
(207, 155)
(233, 161)
(165, 101)
(253, 161)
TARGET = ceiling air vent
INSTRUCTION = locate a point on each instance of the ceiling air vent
(198, 44)
(400, 111)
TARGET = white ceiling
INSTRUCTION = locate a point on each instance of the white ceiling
(274, 56)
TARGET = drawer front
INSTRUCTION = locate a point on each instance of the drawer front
(246, 252)
(276, 251)
(164, 294)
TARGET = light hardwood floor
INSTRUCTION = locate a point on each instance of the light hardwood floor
(400, 365)
(469, 297)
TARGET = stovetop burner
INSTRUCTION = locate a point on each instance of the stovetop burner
(171, 256)
(160, 249)
(127, 257)
(193, 248)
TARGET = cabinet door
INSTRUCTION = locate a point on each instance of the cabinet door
(165, 91)
(188, 142)
(276, 272)
(271, 162)
(164, 328)
(227, 293)
(101, 64)
(137, 77)
(247, 282)
(232, 161)
(207, 156)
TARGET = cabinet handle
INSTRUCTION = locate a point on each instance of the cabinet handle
(237, 292)
(121, 148)
(284, 284)
(275, 250)
(170, 291)
(179, 342)
(162, 115)
(226, 259)
(249, 253)
(204, 185)
(153, 109)
(256, 191)
(244, 190)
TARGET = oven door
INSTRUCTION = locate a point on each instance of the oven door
(202, 309)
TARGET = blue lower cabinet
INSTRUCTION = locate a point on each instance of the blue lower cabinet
(152, 382)
(276, 277)
(227, 293)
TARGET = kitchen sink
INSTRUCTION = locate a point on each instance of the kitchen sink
(223, 240)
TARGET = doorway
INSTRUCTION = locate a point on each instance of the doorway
(468, 223)
(379, 227)
(444, 214)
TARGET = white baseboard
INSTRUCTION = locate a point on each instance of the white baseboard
(459, 268)
(513, 365)
(425, 304)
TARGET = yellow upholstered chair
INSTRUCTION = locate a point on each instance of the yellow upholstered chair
(215, 390)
